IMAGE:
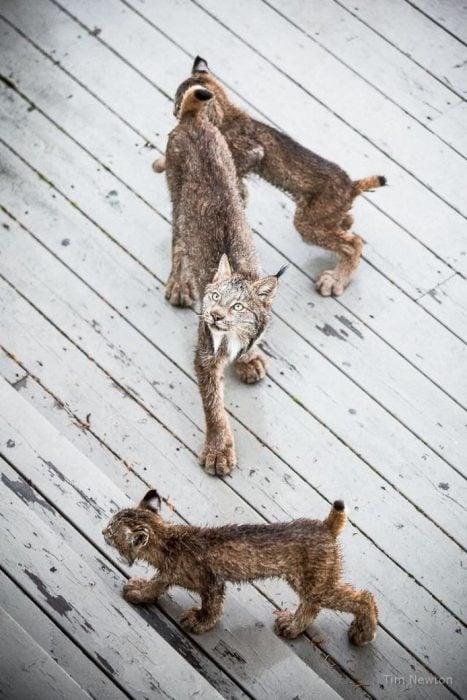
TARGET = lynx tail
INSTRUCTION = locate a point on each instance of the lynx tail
(337, 518)
(194, 99)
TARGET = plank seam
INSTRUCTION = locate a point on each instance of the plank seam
(366, 80)
(435, 21)
(404, 53)
(62, 629)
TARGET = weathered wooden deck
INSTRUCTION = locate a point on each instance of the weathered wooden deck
(365, 396)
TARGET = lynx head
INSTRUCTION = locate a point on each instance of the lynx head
(200, 75)
(131, 530)
(236, 310)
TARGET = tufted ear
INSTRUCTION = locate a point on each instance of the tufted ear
(151, 501)
(224, 270)
(200, 65)
(266, 289)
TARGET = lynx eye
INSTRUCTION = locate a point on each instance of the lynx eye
(215, 296)
(238, 306)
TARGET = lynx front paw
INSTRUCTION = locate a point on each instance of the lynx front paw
(195, 622)
(252, 371)
(331, 282)
(286, 625)
(137, 591)
(218, 460)
(180, 292)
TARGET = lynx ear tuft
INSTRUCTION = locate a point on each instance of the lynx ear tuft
(224, 270)
(200, 65)
(151, 501)
(266, 289)
(281, 271)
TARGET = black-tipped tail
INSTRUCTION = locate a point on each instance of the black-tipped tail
(382, 180)
(337, 518)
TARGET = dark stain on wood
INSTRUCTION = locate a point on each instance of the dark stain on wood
(27, 494)
(57, 602)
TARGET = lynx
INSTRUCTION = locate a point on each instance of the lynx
(214, 260)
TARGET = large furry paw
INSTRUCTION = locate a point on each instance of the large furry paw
(331, 282)
(159, 165)
(194, 621)
(180, 292)
(252, 371)
(362, 633)
(137, 591)
(286, 625)
(218, 460)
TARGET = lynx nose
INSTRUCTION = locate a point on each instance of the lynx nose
(217, 314)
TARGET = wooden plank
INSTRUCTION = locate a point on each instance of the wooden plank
(451, 126)
(370, 56)
(394, 383)
(448, 302)
(450, 14)
(28, 446)
(28, 672)
(133, 485)
(267, 662)
(357, 103)
(437, 503)
(392, 252)
(417, 37)
(276, 492)
(55, 643)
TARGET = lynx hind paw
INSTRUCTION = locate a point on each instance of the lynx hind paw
(331, 283)
(194, 622)
(251, 372)
(285, 625)
(136, 591)
(180, 292)
(218, 460)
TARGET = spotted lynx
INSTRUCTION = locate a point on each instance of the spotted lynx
(214, 260)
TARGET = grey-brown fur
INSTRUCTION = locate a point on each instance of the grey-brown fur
(214, 260)
(302, 552)
(322, 191)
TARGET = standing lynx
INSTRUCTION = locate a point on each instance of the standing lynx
(214, 260)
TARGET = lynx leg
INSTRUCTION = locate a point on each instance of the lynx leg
(218, 454)
(141, 590)
(181, 288)
(199, 620)
(250, 367)
(331, 235)
(363, 606)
